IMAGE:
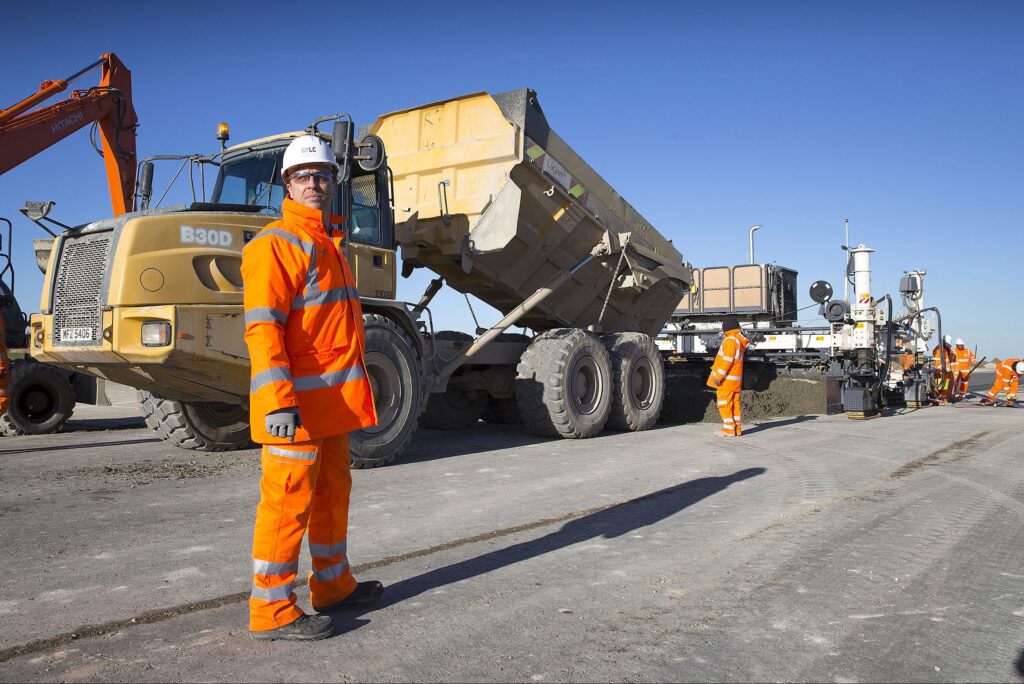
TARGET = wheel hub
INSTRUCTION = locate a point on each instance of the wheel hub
(586, 384)
(386, 385)
(641, 384)
(36, 404)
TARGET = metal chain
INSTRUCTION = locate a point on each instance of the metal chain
(471, 312)
(615, 274)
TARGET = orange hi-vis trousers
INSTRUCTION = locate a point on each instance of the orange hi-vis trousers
(729, 409)
(304, 484)
(1004, 383)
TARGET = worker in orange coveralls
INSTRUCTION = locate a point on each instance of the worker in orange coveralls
(727, 376)
(964, 364)
(1008, 373)
(944, 377)
(309, 389)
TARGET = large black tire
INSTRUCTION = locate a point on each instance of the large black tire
(41, 400)
(564, 384)
(638, 373)
(396, 378)
(197, 425)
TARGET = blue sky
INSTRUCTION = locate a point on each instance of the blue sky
(904, 117)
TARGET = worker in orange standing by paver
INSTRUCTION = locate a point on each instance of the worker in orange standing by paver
(1008, 372)
(309, 389)
(943, 375)
(727, 376)
(964, 364)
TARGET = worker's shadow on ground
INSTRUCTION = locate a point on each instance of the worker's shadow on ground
(608, 523)
(1018, 665)
(777, 423)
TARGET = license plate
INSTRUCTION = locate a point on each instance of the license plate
(76, 334)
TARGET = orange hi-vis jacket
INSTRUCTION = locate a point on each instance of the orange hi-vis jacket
(951, 366)
(727, 371)
(1005, 372)
(964, 360)
(304, 329)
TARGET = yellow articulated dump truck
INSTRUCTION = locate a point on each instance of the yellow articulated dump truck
(479, 190)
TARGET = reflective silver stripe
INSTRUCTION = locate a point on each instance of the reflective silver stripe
(722, 403)
(332, 296)
(311, 382)
(262, 567)
(312, 287)
(720, 372)
(727, 420)
(727, 358)
(332, 572)
(733, 377)
(274, 374)
(281, 593)
(327, 550)
(292, 453)
(294, 240)
(264, 314)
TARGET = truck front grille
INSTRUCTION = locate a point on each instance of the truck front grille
(77, 309)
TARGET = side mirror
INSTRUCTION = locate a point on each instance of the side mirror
(36, 211)
(341, 137)
(371, 153)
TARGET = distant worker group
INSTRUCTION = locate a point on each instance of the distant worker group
(952, 368)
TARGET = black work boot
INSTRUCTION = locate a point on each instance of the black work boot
(364, 594)
(306, 628)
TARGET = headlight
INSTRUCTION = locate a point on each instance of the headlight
(156, 333)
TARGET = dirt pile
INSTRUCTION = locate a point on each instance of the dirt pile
(767, 392)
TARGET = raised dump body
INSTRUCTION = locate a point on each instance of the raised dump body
(493, 200)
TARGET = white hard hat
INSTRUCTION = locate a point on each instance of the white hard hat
(1019, 367)
(947, 339)
(959, 342)
(307, 150)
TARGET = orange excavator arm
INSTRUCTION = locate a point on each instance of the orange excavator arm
(25, 133)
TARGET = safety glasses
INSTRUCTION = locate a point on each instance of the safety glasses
(306, 177)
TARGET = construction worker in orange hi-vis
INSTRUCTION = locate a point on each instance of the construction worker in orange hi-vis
(1008, 372)
(944, 376)
(727, 376)
(309, 389)
(964, 364)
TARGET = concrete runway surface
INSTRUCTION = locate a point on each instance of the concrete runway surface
(814, 548)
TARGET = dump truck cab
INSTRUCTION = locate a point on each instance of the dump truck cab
(153, 298)
(250, 177)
